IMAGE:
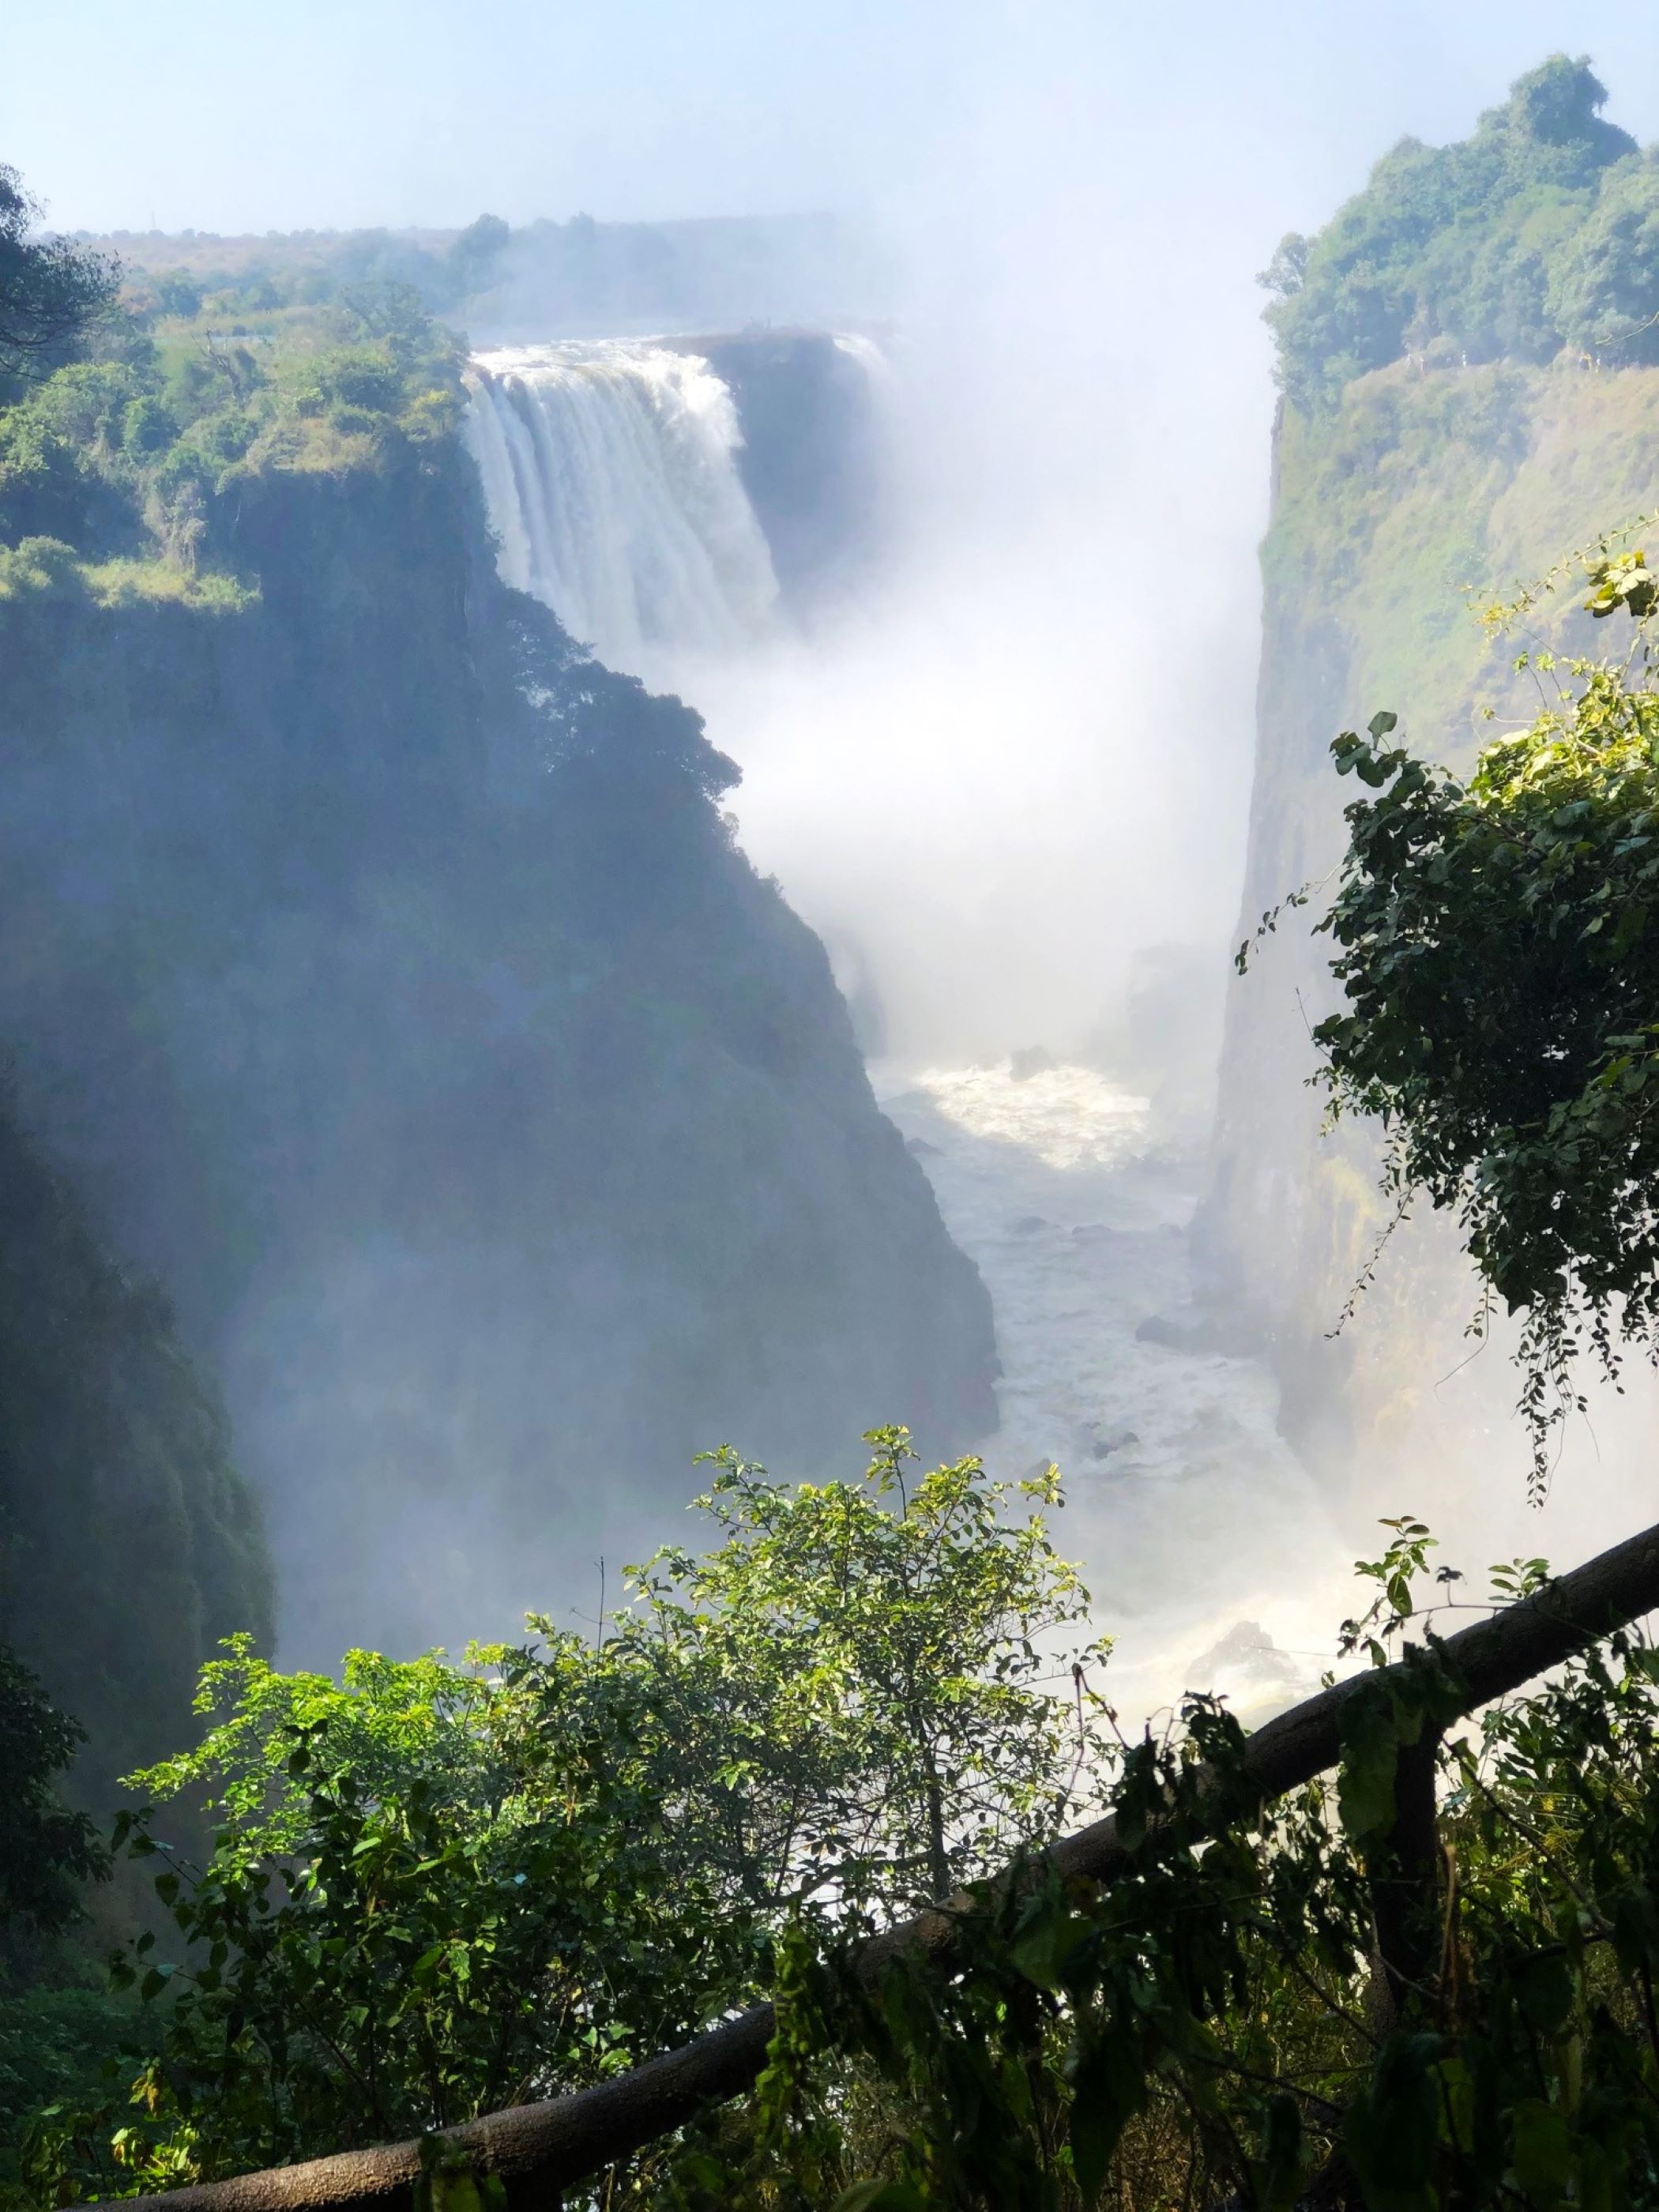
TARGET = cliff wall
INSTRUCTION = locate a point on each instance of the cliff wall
(128, 1543)
(813, 461)
(384, 974)
(1394, 511)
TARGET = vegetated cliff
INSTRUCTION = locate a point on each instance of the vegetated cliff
(128, 1544)
(384, 973)
(1466, 353)
(1420, 489)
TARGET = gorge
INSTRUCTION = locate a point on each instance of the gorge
(618, 840)
(615, 481)
(669, 1333)
(395, 978)
(380, 972)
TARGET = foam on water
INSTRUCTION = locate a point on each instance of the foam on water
(1210, 1556)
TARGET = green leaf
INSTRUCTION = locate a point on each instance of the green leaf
(1042, 1948)
(1391, 2131)
(1276, 2174)
(1108, 2088)
(1368, 1733)
(1542, 2155)
(881, 2196)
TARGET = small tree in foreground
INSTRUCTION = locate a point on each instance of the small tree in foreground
(1425, 1988)
(1428, 1987)
(439, 1889)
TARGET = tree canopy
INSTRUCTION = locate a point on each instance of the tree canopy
(1537, 231)
(46, 1851)
(432, 1887)
(50, 289)
(438, 1888)
(119, 462)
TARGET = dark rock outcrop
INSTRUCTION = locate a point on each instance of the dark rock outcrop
(385, 974)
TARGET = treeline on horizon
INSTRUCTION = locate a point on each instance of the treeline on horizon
(550, 278)
(1538, 233)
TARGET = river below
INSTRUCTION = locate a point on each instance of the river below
(1210, 1556)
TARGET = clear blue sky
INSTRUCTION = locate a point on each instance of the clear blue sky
(229, 116)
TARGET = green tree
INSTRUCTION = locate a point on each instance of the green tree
(417, 1891)
(875, 1652)
(474, 251)
(1498, 246)
(176, 293)
(1495, 941)
(50, 289)
(1604, 293)
(47, 1853)
(435, 1889)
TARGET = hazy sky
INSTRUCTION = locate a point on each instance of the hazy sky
(228, 116)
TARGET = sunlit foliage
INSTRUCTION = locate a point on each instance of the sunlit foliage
(1495, 947)
(435, 1889)
(1539, 231)
(130, 456)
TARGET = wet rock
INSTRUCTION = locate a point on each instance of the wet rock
(1101, 1442)
(1199, 1332)
(920, 1147)
(1179, 1336)
(1029, 1224)
(1035, 1060)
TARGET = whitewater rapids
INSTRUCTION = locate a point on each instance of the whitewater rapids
(1209, 1554)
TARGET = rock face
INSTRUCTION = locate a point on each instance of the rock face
(1418, 484)
(813, 458)
(384, 973)
(128, 1544)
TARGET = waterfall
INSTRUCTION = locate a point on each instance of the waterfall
(610, 471)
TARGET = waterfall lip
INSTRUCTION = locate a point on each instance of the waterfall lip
(531, 355)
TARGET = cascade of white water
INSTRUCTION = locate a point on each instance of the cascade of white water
(610, 471)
